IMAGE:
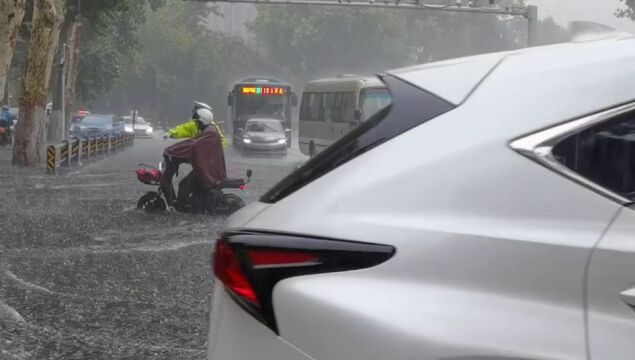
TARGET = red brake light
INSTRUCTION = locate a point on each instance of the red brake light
(227, 269)
(266, 258)
(250, 264)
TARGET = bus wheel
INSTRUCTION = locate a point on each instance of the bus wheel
(312, 150)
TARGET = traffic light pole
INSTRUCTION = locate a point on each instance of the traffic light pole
(528, 12)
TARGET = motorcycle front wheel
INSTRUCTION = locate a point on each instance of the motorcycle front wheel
(151, 202)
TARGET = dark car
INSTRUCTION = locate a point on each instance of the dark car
(264, 136)
(98, 125)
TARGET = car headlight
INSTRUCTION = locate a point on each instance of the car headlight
(282, 141)
(247, 141)
(149, 131)
(128, 129)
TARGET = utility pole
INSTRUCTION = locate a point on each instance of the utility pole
(133, 115)
(63, 90)
(466, 6)
(532, 25)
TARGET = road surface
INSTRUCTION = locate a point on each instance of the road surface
(84, 275)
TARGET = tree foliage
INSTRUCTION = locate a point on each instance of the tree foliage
(109, 41)
(180, 61)
(318, 41)
(627, 10)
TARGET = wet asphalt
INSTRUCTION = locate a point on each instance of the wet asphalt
(84, 275)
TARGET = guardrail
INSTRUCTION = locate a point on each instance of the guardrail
(71, 152)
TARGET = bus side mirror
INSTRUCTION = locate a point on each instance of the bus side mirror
(358, 114)
(294, 99)
(230, 99)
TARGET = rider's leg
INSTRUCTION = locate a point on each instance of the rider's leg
(186, 187)
(171, 167)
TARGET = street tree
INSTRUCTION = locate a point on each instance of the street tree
(28, 149)
(180, 60)
(11, 15)
(627, 10)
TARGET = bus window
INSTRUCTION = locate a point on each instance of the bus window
(347, 107)
(328, 100)
(373, 100)
(311, 107)
(260, 106)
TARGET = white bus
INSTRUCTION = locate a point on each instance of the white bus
(332, 107)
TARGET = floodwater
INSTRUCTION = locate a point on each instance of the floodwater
(84, 275)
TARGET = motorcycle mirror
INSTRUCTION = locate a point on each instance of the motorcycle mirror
(161, 166)
(249, 173)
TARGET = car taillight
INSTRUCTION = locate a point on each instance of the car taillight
(228, 269)
(250, 264)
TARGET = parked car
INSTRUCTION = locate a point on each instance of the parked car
(142, 128)
(264, 136)
(14, 111)
(485, 214)
(98, 125)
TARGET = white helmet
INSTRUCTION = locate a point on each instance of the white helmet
(205, 116)
(200, 105)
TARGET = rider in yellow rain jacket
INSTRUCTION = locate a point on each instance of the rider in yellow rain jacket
(190, 129)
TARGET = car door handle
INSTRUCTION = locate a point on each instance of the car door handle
(628, 296)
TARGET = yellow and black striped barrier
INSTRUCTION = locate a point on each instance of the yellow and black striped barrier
(71, 152)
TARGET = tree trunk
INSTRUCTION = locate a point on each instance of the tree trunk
(28, 149)
(55, 129)
(72, 67)
(59, 118)
(11, 14)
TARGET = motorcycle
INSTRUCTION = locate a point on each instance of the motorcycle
(211, 201)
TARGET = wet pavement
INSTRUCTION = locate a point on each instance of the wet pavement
(84, 275)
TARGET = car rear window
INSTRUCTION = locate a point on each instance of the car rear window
(410, 107)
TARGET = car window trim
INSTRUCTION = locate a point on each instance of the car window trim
(539, 147)
(410, 108)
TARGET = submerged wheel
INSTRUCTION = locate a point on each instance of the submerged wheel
(233, 203)
(151, 202)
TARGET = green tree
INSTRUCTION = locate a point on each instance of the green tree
(311, 41)
(109, 42)
(627, 10)
(180, 61)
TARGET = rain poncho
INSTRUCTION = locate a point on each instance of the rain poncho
(189, 130)
(205, 154)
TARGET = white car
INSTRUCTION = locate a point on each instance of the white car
(485, 214)
(141, 127)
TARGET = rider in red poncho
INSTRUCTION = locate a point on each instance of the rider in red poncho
(204, 153)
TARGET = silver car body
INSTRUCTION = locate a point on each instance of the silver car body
(141, 127)
(498, 256)
(274, 139)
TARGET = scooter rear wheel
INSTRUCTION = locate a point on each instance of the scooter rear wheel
(151, 202)
(233, 203)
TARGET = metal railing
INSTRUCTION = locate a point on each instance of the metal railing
(71, 152)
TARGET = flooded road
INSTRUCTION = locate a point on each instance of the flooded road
(86, 276)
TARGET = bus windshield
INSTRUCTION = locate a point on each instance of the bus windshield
(256, 125)
(373, 100)
(249, 106)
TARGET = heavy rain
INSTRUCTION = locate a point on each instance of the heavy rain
(87, 271)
